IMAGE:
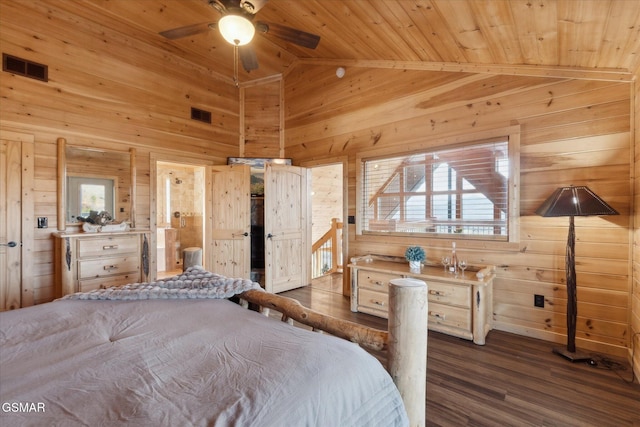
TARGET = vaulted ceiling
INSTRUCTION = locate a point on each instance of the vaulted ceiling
(593, 37)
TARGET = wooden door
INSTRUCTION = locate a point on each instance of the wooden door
(230, 221)
(16, 220)
(287, 227)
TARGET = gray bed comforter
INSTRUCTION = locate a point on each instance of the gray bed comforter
(183, 362)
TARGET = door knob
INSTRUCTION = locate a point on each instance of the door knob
(10, 244)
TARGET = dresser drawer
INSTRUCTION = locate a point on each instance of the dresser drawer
(87, 285)
(107, 245)
(446, 315)
(103, 267)
(373, 302)
(446, 293)
(374, 280)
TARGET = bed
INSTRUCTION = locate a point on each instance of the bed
(186, 357)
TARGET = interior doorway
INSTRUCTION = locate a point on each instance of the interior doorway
(180, 198)
(327, 211)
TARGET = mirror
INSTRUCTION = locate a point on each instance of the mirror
(95, 179)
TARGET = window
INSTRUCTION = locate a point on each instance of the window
(461, 190)
(89, 194)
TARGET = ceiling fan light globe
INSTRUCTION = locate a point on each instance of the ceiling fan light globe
(236, 29)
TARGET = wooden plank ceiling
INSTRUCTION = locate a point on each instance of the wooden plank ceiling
(593, 37)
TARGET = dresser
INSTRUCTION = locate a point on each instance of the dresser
(88, 261)
(459, 305)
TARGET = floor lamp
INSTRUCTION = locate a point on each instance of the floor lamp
(573, 201)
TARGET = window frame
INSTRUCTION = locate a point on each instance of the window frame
(511, 133)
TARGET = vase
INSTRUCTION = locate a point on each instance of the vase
(414, 266)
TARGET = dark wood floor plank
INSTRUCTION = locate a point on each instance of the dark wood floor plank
(511, 381)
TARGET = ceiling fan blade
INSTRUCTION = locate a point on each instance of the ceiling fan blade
(248, 58)
(189, 30)
(299, 37)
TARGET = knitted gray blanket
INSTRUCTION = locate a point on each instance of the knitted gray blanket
(194, 283)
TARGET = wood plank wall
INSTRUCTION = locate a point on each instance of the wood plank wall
(108, 87)
(572, 132)
(261, 109)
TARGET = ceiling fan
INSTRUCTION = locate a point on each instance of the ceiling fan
(237, 27)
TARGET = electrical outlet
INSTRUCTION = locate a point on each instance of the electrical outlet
(538, 301)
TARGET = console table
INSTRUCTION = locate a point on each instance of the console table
(458, 305)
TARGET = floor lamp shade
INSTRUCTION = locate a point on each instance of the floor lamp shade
(573, 201)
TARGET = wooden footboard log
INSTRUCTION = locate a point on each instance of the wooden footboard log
(406, 341)
(370, 338)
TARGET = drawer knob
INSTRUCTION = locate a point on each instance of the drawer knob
(378, 283)
(434, 292)
(110, 267)
(380, 303)
(107, 247)
(437, 315)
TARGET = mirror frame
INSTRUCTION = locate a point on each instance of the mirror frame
(62, 183)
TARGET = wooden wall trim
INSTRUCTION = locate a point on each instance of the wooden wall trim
(616, 75)
(241, 125)
(634, 297)
(261, 81)
(133, 172)
(281, 128)
(62, 183)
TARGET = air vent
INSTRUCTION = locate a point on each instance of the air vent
(22, 67)
(200, 115)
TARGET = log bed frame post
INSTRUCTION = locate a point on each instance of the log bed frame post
(406, 340)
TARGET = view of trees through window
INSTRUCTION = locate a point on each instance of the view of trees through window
(459, 190)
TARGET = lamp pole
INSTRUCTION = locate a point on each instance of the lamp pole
(572, 294)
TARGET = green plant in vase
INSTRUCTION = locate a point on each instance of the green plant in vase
(415, 255)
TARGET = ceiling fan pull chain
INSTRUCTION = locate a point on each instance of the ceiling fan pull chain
(235, 65)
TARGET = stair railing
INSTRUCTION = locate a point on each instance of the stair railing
(326, 252)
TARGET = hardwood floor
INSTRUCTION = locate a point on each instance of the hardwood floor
(510, 381)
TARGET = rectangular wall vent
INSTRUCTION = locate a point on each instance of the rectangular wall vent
(200, 115)
(22, 67)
